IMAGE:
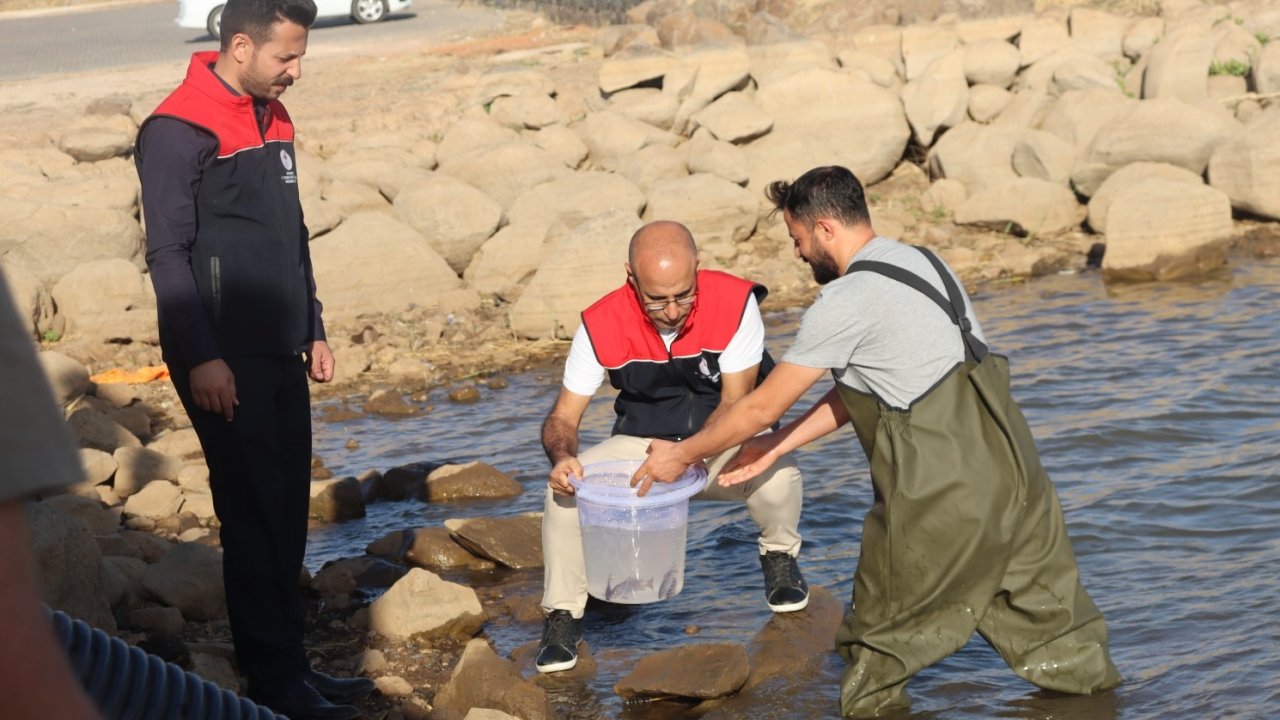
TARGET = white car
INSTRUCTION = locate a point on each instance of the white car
(207, 14)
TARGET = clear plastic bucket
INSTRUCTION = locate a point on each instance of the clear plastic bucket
(634, 546)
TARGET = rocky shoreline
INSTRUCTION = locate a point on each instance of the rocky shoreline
(484, 194)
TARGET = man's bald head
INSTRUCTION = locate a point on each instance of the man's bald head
(662, 246)
(663, 267)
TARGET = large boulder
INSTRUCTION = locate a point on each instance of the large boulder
(714, 71)
(720, 214)
(549, 307)
(336, 500)
(508, 259)
(1247, 167)
(107, 300)
(922, 45)
(1161, 229)
(1161, 130)
(612, 138)
(375, 263)
(1026, 206)
(138, 466)
(30, 297)
(861, 124)
(696, 672)
(1128, 176)
(979, 156)
(734, 118)
(574, 198)
(453, 217)
(51, 240)
(938, 99)
(522, 164)
(68, 378)
(991, 62)
(1178, 65)
(470, 481)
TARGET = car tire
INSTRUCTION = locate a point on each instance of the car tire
(368, 11)
(214, 23)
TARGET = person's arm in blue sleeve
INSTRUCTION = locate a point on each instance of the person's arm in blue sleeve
(173, 156)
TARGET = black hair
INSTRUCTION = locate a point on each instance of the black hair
(830, 191)
(257, 18)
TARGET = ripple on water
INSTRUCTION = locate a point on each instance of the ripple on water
(1157, 412)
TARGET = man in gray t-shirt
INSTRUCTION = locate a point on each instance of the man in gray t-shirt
(878, 335)
(966, 533)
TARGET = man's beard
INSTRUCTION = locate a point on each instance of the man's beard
(824, 266)
(262, 88)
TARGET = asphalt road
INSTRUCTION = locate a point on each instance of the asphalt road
(45, 43)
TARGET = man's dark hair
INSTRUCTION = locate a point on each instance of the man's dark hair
(256, 18)
(830, 191)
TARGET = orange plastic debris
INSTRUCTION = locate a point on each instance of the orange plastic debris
(147, 373)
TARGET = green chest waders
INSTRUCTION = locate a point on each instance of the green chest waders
(965, 534)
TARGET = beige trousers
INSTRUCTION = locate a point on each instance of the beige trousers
(773, 499)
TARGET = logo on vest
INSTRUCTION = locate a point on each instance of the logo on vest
(289, 177)
(705, 371)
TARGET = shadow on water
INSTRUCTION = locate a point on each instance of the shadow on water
(1157, 411)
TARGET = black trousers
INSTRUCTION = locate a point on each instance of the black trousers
(260, 474)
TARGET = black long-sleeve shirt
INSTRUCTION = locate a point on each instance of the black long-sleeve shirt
(173, 157)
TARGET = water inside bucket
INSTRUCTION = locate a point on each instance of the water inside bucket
(634, 546)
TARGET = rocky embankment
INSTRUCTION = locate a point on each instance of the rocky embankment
(484, 193)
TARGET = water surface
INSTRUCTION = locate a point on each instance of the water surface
(1157, 414)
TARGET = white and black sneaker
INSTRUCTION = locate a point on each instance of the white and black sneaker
(784, 587)
(558, 649)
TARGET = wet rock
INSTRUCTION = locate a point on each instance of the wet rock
(468, 481)
(482, 679)
(465, 394)
(701, 672)
(435, 549)
(336, 500)
(1163, 229)
(389, 402)
(402, 482)
(514, 541)
(68, 565)
(422, 603)
(189, 578)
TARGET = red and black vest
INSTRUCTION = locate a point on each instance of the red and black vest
(669, 394)
(249, 256)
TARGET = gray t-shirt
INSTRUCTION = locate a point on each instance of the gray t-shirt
(37, 452)
(879, 335)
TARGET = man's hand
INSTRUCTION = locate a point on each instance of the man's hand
(213, 387)
(664, 464)
(320, 362)
(753, 457)
(560, 474)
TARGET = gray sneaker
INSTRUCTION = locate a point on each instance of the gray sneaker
(784, 587)
(559, 647)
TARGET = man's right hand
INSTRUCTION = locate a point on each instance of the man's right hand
(560, 474)
(213, 387)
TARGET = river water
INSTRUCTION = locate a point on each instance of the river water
(1157, 412)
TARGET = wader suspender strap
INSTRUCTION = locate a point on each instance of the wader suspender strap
(952, 305)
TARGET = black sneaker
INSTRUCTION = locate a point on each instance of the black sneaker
(559, 647)
(784, 587)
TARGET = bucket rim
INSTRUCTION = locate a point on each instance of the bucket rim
(682, 488)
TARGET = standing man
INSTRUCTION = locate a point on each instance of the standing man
(37, 454)
(240, 328)
(680, 345)
(966, 532)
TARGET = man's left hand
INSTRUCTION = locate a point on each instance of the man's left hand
(663, 465)
(320, 362)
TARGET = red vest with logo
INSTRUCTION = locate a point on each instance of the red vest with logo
(661, 393)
